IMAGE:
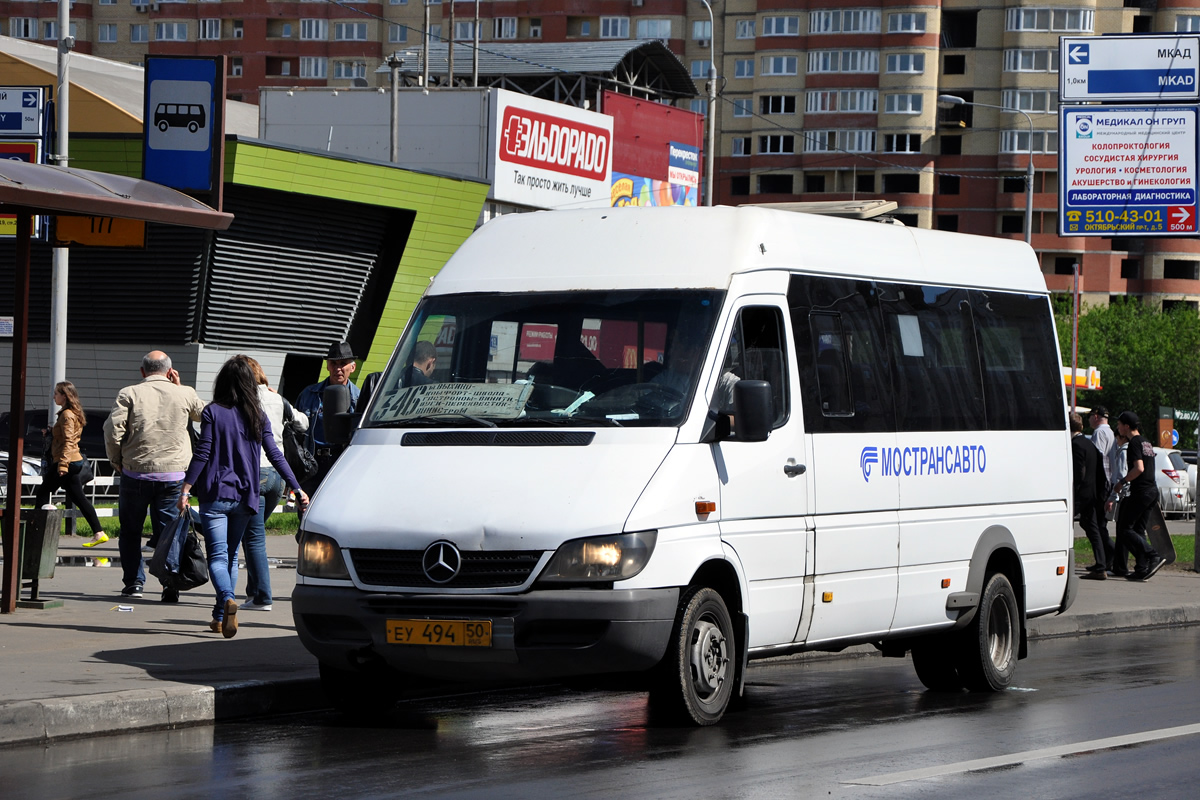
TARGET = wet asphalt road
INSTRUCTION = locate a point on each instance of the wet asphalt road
(841, 728)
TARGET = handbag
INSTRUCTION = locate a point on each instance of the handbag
(303, 463)
(178, 560)
(87, 473)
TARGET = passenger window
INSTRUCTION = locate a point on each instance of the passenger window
(844, 381)
(755, 352)
(1022, 381)
(935, 369)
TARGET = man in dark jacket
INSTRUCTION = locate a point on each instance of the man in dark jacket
(1091, 487)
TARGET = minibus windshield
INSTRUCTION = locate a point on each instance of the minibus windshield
(584, 358)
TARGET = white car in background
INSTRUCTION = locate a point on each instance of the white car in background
(1175, 496)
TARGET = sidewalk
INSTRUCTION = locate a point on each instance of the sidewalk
(89, 668)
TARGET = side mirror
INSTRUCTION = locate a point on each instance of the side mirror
(754, 410)
(339, 422)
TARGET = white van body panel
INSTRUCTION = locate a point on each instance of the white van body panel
(507, 498)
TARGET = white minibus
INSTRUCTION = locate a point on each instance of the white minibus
(658, 443)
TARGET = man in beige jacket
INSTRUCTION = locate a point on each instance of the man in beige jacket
(146, 436)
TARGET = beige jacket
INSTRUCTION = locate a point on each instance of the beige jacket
(64, 447)
(147, 429)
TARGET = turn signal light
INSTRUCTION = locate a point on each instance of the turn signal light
(1061, 570)
(705, 506)
(945, 583)
(827, 597)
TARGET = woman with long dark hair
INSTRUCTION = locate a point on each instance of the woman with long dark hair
(66, 461)
(224, 473)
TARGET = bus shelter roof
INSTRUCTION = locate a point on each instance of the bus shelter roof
(46, 189)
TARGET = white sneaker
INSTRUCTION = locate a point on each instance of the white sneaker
(250, 605)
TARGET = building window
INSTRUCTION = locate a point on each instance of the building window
(654, 29)
(349, 69)
(614, 27)
(504, 28)
(535, 27)
(1179, 270)
(1032, 100)
(859, 20)
(743, 68)
(313, 67)
(947, 222)
(778, 65)
(902, 183)
(108, 32)
(1063, 265)
(843, 61)
(108, 2)
(1129, 268)
(814, 184)
(1184, 24)
(435, 32)
(906, 23)
(902, 143)
(902, 104)
(951, 145)
(1031, 60)
(397, 2)
(1018, 141)
(1012, 223)
(50, 29)
(698, 106)
(741, 146)
(700, 69)
(774, 184)
(210, 29)
(397, 34)
(776, 144)
(739, 185)
(1170, 305)
(743, 107)
(23, 27)
(701, 30)
(865, 182)
(855, 141)
(357, 31)
(777, 104)
(235, 67)
(954, 65)
(828, 101)
(906, 62)
(949, 184)
(1073, 20)
(314, 29)
(170, 31)
(1012, 184)
(239, 29)
(781, 26)
(463, 31)
(139, 33)
(745, 28)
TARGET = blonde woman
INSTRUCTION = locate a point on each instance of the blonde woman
(66, 461)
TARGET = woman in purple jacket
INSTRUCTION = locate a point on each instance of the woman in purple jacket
(224, 473)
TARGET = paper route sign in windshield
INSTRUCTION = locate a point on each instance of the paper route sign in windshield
(498, 400)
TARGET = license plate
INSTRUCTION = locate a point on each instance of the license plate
(440, 632)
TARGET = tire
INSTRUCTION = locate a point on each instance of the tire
(989, 646)
(361, 695)
(163, 126)
(193, 127)
(697, 675)
(935, 664)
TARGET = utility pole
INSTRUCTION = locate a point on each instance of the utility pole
(60, 255)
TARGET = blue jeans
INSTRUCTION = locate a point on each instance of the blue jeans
(224, 522)
(254, 545)
(136, 497)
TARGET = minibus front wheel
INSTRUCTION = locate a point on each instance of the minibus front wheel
(361, 695)
(697, 674)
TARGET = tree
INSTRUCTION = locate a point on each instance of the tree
(1146, 358)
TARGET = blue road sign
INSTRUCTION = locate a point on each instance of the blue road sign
(1078, 54)
(1159, 68)
(178, 118)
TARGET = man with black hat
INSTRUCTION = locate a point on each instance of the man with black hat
(340, 362)
(1133, 515)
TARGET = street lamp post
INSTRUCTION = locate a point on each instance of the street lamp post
(394, 63)
(712, 107)
(949, 100)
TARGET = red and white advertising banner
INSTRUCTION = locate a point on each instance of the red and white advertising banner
(549, 155)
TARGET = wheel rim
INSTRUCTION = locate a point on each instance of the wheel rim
(709, 658)
(1000, 637)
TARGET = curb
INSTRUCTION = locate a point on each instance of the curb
(176, 705)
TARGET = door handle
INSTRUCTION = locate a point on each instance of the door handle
(792, 470)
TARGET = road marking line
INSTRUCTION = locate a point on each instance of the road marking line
(1028, 755)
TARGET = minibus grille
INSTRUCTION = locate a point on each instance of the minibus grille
(480, 570)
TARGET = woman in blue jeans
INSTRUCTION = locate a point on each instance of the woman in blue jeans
(224, 473)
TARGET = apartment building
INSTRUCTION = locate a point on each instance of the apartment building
(819, 99)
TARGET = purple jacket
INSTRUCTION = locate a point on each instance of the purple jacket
(225, 463)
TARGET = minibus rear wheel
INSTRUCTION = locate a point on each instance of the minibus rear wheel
(696, 676)
(933, 658)
(361, 695)
(991, 642)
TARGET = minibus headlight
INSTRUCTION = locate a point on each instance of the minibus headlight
(601, 558)
(320, 557)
